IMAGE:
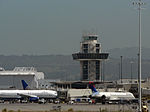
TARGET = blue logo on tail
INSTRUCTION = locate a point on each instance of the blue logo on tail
(92, 87)
(24, 84)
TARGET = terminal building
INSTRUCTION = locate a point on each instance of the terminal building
(90, 57)
(12, 79)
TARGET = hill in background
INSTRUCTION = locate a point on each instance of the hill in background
(129, 52)
(65, 68)
(54, 66)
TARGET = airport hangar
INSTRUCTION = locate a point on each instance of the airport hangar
(12, 79)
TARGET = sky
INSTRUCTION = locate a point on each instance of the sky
(46, 27)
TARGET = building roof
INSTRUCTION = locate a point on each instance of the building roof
(19, 71)
(16, 73)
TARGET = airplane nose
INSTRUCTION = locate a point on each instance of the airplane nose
(55, 93)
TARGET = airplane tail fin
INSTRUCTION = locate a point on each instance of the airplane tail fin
(92, 87)
(24, 84)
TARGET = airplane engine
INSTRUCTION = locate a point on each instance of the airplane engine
(103, 99)
(33, 98)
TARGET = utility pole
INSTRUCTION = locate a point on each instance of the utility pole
(121, 68)
(139, 4)
(103, 70)
(131, 70)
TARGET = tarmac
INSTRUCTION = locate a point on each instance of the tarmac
(64, 107)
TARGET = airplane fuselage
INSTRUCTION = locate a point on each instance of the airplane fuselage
(115, 95)
(20, 93)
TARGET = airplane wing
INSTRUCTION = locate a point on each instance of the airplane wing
(95, 94)
(26, 95)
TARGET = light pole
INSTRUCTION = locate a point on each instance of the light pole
(139, 4)
(121, 68)
(131, 70)
(103, 70)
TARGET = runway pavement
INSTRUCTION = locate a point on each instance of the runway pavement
(48, 106)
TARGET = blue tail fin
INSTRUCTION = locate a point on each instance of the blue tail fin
(92, 87)
(24, 84)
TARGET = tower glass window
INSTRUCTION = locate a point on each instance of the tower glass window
(97, 50)
(85, 62)
(85, 77)
(97, 62)
(85, 46)
(85, 51)
(97, 70)
(97, 45)
(85, 70)
(92, 38)
(97, 77)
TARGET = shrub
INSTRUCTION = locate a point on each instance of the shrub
(4, 110)
(10, 111)
(70, 110)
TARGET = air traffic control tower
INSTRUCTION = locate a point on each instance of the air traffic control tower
(90, 57)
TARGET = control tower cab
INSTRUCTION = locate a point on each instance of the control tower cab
(90, 57)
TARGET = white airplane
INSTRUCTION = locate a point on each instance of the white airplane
(110, 96)
(31, 95)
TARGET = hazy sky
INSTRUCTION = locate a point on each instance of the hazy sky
(56, 26)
